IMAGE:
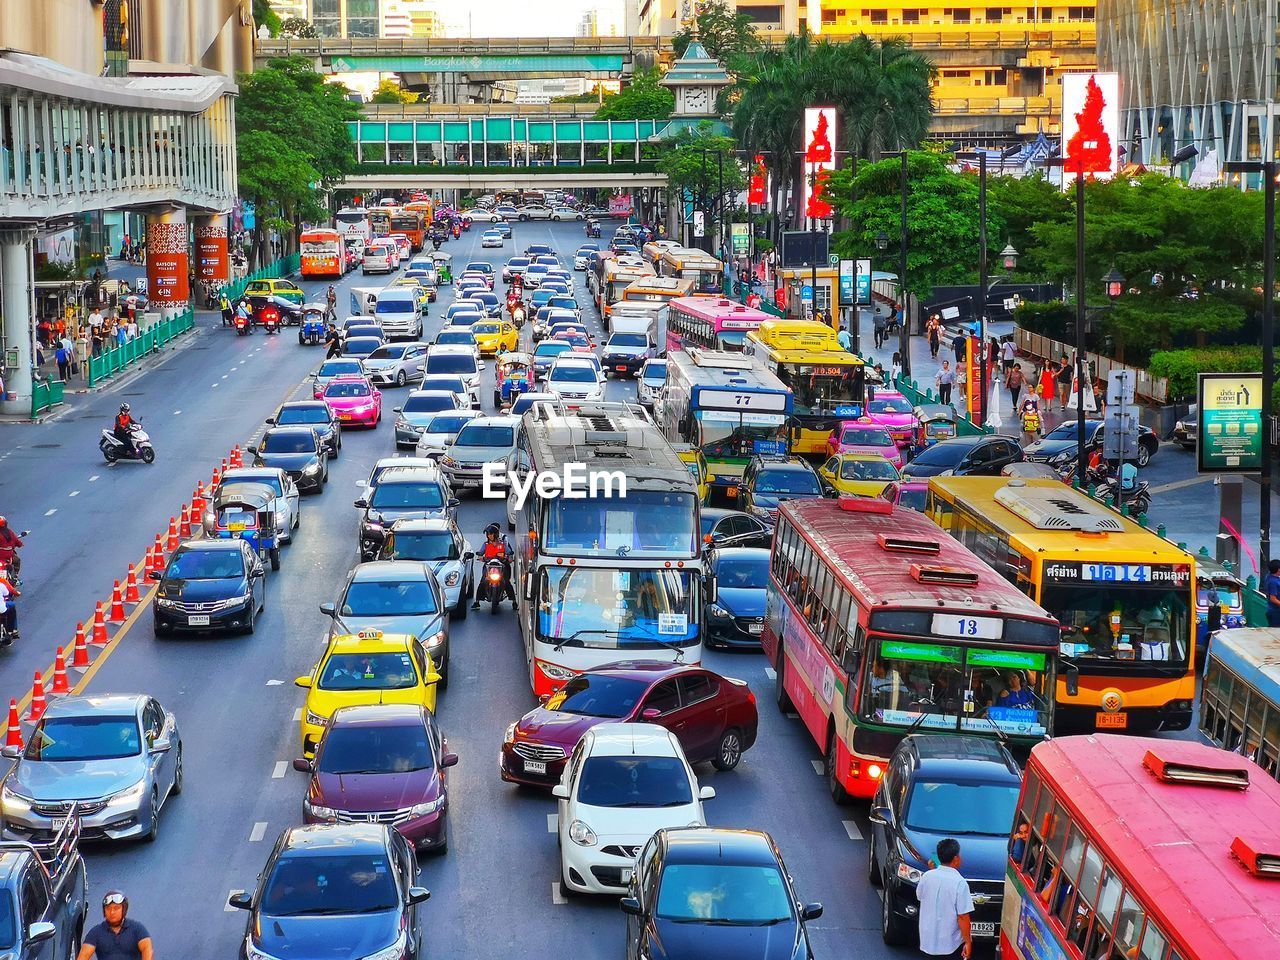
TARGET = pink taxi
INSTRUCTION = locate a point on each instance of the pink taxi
(355, 400)
(865, 436)
(893, 411)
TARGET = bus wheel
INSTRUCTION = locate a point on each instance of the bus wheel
(780, 689)
(838, 793)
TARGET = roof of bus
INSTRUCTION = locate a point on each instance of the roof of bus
(1252, 654)
(1172, 841)
(1062, 506)
(663, 284)
(721, 368)
(618, 271)
(849, 531)
(718, 308)
(689, 255)
(813, 342)
(605, 438)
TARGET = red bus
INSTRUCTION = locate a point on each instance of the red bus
(878, 622)
(1128, 847)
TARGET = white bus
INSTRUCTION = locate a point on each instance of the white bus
(353, 224)
(604, 577)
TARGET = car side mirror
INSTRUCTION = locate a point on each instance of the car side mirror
(419, 895)
(252, 449)
(362, 503)
(155, 575)
(650, 713)
(40, 932)
(449, 760)
(707, 793)
(560, 791)
(241, 901)
(271, 420)
(811, 911)
(328, 609)
(161, 746)
(397, 409)
(469, 556)
(1073, 680)
(304, 682)
(454, 501)
(302, 765)
(630, 905)
(11, 753)
(880, 815)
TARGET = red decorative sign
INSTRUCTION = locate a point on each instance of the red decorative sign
(1089, 149)
(167, 281)
(819, 159)
(817, 208)
(756, 190)
(818, 149)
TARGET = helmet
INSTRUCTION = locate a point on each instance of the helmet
(491, 530)
(3, 523)
(124, 408)
(116, 897)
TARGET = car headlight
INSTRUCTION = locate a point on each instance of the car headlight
(130, 795)
(718, 611)
(16, 803)
(448, 461)
(253, 953)
(451, 579)
(909, 873)
(164, 602)
(433, 642)
(395, 951)
(507, 737)
(581, 834)
(311, 469)
(319, 812)
(425, 809)
(315, 719)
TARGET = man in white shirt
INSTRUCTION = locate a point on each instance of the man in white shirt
(945, 906)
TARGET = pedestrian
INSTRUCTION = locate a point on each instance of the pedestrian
(133, 327)
(895, 367)
(1271, 587)
(935, 338)
(845, 340)
(1046, 384)
(945, 906)
(224, 304)
(1100, 397)
(1064, 382)
(944, 378)
(1008, 354)
(960, 348)
(69, 348)
(64, 363)
(334, 341)
(1014, 380)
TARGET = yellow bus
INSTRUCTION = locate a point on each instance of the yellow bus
(826, 381)
(1124, 596)
(706, 272)
(616, 277)
(658, 289)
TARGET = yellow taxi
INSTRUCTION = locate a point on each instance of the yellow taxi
(496, 336)
(697, 464)
(276, 288)
(861, 474)
(424, 298)
(369, 667)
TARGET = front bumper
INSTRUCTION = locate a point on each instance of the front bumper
(627, 365)
(171, 618)
(307, 483)
(1170, 716)
(592, 870)
(514, 768)
(735, 632)
(362, 418)
(985, 917)
(425, 833)
(407, 435)
(107, 821)
(464, 475)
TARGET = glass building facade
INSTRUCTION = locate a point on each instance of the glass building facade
(346, 18)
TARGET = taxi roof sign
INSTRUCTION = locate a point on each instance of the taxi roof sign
(370, 634)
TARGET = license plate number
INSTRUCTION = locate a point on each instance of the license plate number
(620, 367)
(732, 491)
(626, 875)
(755, 628)
(1112, 721)
(236, 527)
(344, 416)
(198, 619)
(984, 929)
(57, 824)
(534, 766)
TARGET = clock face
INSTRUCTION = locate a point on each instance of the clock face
(696, 99)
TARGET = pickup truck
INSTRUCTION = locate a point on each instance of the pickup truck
(44, 893)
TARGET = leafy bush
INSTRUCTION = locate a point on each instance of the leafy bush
(1182, 366)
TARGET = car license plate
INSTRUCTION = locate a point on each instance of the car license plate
(626, 875)
(755, 628)
(732, 492)
(620, 367)
(534, 766)
(1112, 721)
(58, 824)
(198, 620)
(236, 527)
(344, 416)
(984, 929)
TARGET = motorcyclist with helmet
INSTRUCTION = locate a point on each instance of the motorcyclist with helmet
(116, 937)
(8, 612)
(123, 429)
(9, 544)
(496, 547)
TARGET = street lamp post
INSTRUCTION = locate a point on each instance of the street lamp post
(1081, 462)
(982, 289)
(1113, 284)
(813, 250)
(904, 334)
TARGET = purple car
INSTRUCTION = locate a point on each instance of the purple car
(382, 763)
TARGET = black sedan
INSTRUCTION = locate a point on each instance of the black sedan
(702, 892)
(736, 618)
(964, 457)
(210, 585)
(290, 313)
(733, 528)
(335, 890)
(299, 452)
(316, 414)
(1058, 447)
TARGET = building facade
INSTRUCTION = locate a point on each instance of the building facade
(347, 18)
(774, 19)
(999, 68)
(1197, 73)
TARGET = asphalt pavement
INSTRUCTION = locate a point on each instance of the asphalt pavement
(494, 893)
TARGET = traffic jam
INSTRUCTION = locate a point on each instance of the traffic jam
(751, 651)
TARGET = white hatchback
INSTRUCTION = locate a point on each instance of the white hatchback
(575, 378)
(622, 783)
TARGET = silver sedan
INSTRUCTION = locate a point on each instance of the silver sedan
(117, 756)
(395, 364)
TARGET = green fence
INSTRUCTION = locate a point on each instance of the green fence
(278, 268)
(110, 362)
(737, 290)
(45, 394)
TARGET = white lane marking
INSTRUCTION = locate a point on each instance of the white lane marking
(258, 832)
(552, 819)
(792, 715)
(224, 376)
(93, 478)
(297, 714)
(177, 413)
(771, 673)
(556, 896)
(213, 384)
(361, 483)
(74, 493)
(229, 908)
(851, 828)
(283, 765)
(50, 512)
(818, 767)
(275, 683)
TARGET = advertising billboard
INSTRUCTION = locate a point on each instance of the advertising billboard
(819, 159)
(1230, 436)
(1090, 125)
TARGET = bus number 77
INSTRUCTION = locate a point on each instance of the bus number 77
(742, 399)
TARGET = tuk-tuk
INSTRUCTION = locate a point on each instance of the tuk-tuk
(697, 466)
(514, 376)
(315, 317)
(935, 421)
(248, 511)
(441, 260)
(1212, 577)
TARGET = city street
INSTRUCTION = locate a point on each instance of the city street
(237, 706)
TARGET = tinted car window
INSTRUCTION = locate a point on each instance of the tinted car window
(590, 695)
(332, 368)
(947, 808)
(428, 404)
(484, 436)
(295, 415)
(786, 482)
(353, 750)
(634, 782)
(426, 545)
(369, 671)
(389, 598)
(205, 565)
(451, 363)
(343, 884)
(84, 738)
(347, 390)
(406, 496)
(942, 455)
(707, 892)
(743, 572)
(573, 374)
(390, 352)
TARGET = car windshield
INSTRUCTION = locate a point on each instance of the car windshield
(389, 598)
(407, 496)
(518, 262)
(743, 572)
(795, 482)
(334, 368)
(369, 671)
(451, 363)
(723, 893)
(429, 403)
(389, 352)
(1065, 431)
(464, 337)
(271, 480)
(598, 695)
(205, 565)
(362, 345)
(573, 373)
(601, 609)
(347, 390)
(425, 545)
(8, 925)
(941, 455)
(959, 809)
(654, 374)
(448, 423)
(309, 885)
(868, 470)
(371, 750)
(628, 340)
(486, 328)
(866, 437)
(563, 303)
(394, 305)
(633, 781)
(85, 738)
(288, 416)
(451, 384)
(480, 435)
(913, 498)
(889, 405)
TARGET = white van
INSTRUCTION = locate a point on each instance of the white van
(457, 361)
(397, 310)
(380, 256)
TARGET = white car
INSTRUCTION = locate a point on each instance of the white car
(582, 256)
(439, 544)
(456, 361)
(440, 431)
(565, 213)
(534, 211)
(622, 784)
(482, 215)
(650, 381)
(574, 378)
(491, 238)
(515, 267)
(452, 383)
(395, 363)
(481, 441)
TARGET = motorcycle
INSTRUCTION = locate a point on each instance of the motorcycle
(12, 562)
(243, 326)
(271, 323)
(1106, 487)
(113, 450)
(494, 580)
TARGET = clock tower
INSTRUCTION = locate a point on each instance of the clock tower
(696, 79)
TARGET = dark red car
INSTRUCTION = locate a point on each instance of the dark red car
(382, 763)
(714, 717)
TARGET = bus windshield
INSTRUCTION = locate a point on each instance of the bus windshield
(704, 281)
(951, 687)
(598, 608)
(644, 523)
(724, 434)
(1119, 623)
(820, 388)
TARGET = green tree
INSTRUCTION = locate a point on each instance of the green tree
(298, 27)
(264, 16)
(641, 99)
(726, 34)
(390, 91)
(292, 141)
(698, 164)
(1020, 203)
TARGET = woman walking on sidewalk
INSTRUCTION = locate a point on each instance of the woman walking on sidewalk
(1014, 380)
(935, 337)
(1048, 384)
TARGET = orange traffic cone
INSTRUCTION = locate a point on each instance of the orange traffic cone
(237, 459)
(38, 702)
(117, 604)
(80, 656)
(131, 594)
(197, 503)
(215, 479)
(158, 553)
(100, 625)
(172, 543)
(184, 523)
(60, 684)
(14, 736)
(226, 465)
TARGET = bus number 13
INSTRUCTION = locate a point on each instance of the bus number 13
(967, 627)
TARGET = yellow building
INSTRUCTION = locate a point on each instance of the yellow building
(999, 67)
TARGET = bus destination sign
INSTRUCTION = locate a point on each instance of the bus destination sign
(1120, 574)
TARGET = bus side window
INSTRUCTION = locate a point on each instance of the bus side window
(1128, 932)
(1086, 897)
(1060, 902)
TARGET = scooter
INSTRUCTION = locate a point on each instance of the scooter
(244, 326)
(113, 450)
(494, 580)
(13, 563)
(271, 323)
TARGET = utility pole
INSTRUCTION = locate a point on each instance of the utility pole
(981, 405)
(904, 333)
(1081, 460)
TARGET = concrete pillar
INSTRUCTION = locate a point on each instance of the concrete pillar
(168, 286)
(212, 262)
(18, 306)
